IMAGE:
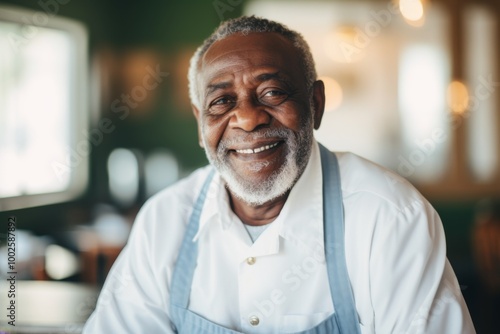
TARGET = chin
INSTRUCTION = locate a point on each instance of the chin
(262, 188)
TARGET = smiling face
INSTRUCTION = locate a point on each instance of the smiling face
(256, 118)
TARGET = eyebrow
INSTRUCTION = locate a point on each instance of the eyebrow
(278, 76)
(259, 78)
(270, 76)
(220, 85)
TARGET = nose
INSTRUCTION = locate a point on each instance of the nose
(250, 116)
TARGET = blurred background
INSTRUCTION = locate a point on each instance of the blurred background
(95, 118)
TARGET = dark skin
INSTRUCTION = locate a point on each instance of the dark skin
(248, 83)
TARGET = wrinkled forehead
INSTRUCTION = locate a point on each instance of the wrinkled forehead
(238, 52)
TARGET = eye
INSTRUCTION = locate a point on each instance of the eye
(274, 97)
(274, 93)
(221, 101)
(221, 105)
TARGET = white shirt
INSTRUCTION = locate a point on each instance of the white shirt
(395, 253)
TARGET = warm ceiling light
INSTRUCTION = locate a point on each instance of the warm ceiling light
(458, 97)
(333, 93)
(412, 11)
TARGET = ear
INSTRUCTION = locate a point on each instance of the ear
(196, 113)
(318, 102)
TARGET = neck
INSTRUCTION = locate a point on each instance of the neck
(260, 214)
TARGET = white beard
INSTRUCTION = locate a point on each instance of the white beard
(279, 182)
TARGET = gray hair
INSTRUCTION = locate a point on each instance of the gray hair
(246, 25)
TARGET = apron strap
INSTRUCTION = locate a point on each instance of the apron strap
(333, 216)
(182, 277)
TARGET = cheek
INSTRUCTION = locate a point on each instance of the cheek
(293, 119)
(213, 132)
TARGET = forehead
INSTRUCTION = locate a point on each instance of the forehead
(240, 52)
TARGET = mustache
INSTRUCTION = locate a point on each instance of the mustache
(282, 134)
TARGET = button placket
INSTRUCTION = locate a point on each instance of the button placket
(251, 319)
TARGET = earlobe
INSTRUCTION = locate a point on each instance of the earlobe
(196, 113)
(319, 102)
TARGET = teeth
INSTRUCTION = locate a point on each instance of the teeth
(257, 150)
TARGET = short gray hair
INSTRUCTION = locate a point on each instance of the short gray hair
(246, 25)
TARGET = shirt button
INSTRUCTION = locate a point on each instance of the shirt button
(250, 261)
(254, 320)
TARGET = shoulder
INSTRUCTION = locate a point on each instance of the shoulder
(383, 210)
(396, 253)
(363, 179)
(140, 277)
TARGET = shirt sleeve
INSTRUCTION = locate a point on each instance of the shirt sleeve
(131, 300)
(413, 287)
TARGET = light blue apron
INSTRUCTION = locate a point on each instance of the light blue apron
(345, 318)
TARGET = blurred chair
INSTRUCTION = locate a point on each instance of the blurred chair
(487, 244)
(486, 247)
(100, 244)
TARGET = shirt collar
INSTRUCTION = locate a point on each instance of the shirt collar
(216, 206)
(301, 219)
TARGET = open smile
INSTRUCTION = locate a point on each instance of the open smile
(258, 149)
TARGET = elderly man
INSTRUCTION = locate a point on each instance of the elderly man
(278, 235)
